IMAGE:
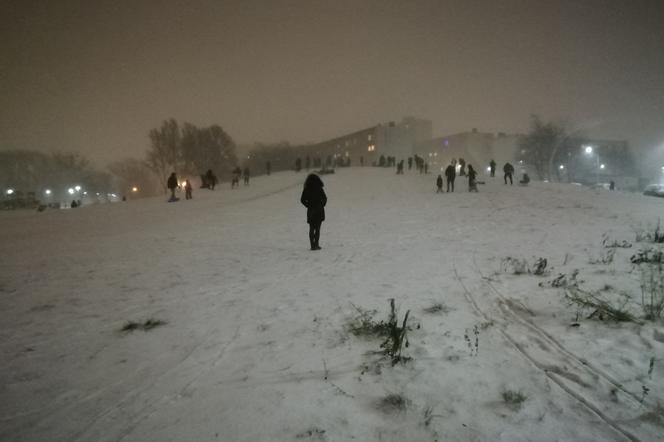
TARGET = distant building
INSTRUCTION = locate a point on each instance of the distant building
(390, 139)
(476, 148)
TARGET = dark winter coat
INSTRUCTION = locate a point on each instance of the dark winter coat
(508, 168)
(314, 199)
(450, 172)
(439, 181)
(472, 175)
(172, 181)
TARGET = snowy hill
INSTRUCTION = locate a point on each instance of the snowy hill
(257, 345)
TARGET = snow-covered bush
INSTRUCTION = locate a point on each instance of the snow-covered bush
(650, 234)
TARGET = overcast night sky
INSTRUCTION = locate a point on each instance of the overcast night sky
(96, 76)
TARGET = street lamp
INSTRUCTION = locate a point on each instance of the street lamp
(561, 167)
(589, 151)
(10, 191)
(47, 191)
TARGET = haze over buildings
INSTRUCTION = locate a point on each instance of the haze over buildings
(96, 76)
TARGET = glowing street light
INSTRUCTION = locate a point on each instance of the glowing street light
(561, 167)
(589, 151)
(10, 191)
(134, 189)
(47, 191)
(78, 188)
(488, 168)
(71, 190)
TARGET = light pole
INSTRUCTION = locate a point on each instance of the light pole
(589, 151)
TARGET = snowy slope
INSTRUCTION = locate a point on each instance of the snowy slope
(256, 345)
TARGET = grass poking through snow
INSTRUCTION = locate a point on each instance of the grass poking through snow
(146, 325)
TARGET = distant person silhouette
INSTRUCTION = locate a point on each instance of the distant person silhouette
(187, 190)
(245, 175)
(172, 184)
(314, 199)
(439, 184)
(492, 167)
(450, 175)
(472, 179)
(508, 169)
(210, 179)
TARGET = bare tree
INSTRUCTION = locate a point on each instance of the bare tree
(131, 173)
(539, 146)
(164, 155)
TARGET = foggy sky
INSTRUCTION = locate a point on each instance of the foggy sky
(95, 76)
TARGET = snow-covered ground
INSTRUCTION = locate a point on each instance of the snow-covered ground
(256, 345)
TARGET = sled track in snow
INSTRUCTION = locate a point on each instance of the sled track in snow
(505, 305)
(263, 195)
(553, 376)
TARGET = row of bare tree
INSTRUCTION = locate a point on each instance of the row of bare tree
(549, 145)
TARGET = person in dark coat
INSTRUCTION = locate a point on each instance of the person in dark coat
(450, 175)
(187, 190)
(462, 170)
(492, 167)
(245, 175)
(268, 168)
(508, 169)
(235, 180)
(314, 199)
(210, 179)
(172, 184)
(439, 184)
(525, 180)
(472, 179)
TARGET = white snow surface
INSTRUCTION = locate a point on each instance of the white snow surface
(256, 345)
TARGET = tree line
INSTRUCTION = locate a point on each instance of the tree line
(547, 146)
(31, 171)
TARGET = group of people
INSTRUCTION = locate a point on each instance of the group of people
(208, 181)
(314, 198)
(471, 173)
(173, 184)
(237, 173)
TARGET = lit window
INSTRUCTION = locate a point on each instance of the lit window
(369, 137)
(371, 147)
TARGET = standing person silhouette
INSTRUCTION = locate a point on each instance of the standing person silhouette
(509, 171)
(172, 184)
(314, 199)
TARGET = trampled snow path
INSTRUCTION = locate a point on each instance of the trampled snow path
(256, 345)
